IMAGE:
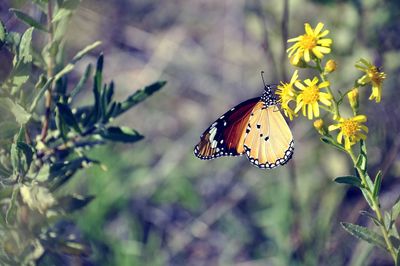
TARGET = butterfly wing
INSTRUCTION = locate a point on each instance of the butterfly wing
(269, 141)
(225, 137)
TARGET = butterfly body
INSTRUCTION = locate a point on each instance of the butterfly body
(255, 128)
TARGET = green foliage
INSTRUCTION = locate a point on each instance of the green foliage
(40, 152)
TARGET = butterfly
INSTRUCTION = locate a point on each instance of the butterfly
(255, 127)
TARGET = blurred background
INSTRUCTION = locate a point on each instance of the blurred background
(159, 205)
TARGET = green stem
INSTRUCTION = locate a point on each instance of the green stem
(323, 77)
(375, 206)
(50, 71)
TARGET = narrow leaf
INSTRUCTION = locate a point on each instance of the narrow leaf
(2, 34)
(28, 20)
(350, 180)
(68, 117)
(377, 184)
(371, 216)
(85, 51)
(123, 134)
(139, 96)
(362, 157)
(365, 234)
(40, 94)
(68, 68)
(396, 209)
(74, 202)
(82, 81)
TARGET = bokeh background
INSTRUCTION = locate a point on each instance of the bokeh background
(159, 205)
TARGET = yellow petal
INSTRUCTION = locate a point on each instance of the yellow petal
(298, 107)
(324, 50)
(310, 112)
(317, 53)
(308, 29)
(359, 118)
(316, 109)
(325, 101)
(324, 84)
(333, 127)
(318, 28)
(299, 85)
(295, 39)
(339, 137)
(294, 77)
(307, 55)
(323, 34)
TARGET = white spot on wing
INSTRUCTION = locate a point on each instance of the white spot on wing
(212, 132)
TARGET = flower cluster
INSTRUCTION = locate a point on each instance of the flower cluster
(308, 96)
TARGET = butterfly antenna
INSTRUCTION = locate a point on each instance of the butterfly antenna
(262, 77)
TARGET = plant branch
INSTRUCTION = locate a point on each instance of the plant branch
(50, 71)
(375, 206)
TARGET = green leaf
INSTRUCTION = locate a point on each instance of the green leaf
(28, 20)
(24, 53)
(21, 157)
(123, 134)
(362, 157)
(97, 85)
(61, 172)
(27, 151)
(74, 202)
(21, 116)
(396, 209)
(139, 96)
(68, 68)
(68, 117)
(367, 198)
(2, 34)
(85, 51)
(349, 180)
(365, 234)
(61, 125)
(331, 141)
(82, 81)
(371, 216)
(377, 184)
(65, 9)
(40, 94)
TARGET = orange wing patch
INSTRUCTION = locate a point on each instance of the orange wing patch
(225, 137)
(268, 142)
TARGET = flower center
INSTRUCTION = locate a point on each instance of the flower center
(349, 127)
(311, 95)
(308, 42)
(376, 76)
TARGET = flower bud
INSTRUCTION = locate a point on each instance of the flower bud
(330, 66)
(353, 100)
(320, 127)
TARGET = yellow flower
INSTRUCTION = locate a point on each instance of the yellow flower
(351, 129)
(372, 75)
(286, 94)
(309, 44)
(311, 96)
